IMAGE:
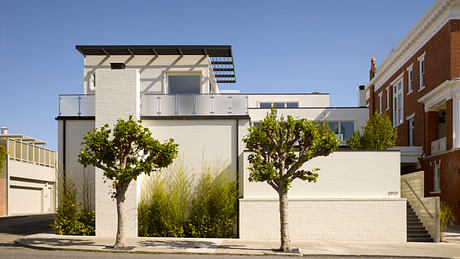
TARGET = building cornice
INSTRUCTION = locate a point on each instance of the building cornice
(431, 22)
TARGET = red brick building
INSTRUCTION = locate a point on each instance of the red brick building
(418, 86)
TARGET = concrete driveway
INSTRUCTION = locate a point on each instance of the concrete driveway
(12, 228)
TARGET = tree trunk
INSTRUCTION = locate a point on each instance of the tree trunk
(284, 227)
(120, 197)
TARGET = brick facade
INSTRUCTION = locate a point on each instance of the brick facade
(442, 62)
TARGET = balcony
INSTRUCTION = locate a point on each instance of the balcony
(438, 146)
(164, 105)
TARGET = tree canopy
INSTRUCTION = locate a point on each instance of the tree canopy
(123, 154)
(377, 134)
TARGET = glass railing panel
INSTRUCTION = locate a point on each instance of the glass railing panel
(186, 104)
(36, 154)
(239, 104)
(30, 156)
(87, 105)
(167, 104)
(204, 104)
(68, 105)
(18, 150)
(222, 104)
(11, 148)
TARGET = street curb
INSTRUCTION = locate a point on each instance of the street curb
(38, 247)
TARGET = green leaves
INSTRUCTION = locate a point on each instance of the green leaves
(378, 134)
(3, 156)
(281, 146)
(126, 151)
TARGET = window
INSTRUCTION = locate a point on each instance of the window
(388, 98)
(380, 103)
(398, 109)
(410, 79)
(265, 105)
(342, 129)
(436, 176)
(256, 124)
(268, 105)
(421, 61)
(279, 105)
(292, 105)
(184, 84)
(92, 81)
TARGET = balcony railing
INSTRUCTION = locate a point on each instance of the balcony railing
(163, 105)
(199, 104)
(438, 146)
(77, 105)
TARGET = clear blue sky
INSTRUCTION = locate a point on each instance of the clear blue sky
(278, 46)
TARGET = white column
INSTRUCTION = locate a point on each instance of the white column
(117, 96)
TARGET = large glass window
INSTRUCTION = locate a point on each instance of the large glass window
(342, 129)
(266, 105)
(184, 84)
(398, 109)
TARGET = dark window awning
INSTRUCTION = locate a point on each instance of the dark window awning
(220, 55)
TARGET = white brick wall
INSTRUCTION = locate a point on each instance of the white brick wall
(117, 96)
(326, 219)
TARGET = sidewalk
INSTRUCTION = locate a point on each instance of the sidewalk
(242, 247)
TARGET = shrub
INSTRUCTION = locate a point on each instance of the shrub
(70, 218)
(172, 206)
(446, 217)
(213, 205)
(163, 205)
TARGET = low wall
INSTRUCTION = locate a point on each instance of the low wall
(326, 219)
(426, 208)
(356, 198)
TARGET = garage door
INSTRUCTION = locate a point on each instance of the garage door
(25, 200)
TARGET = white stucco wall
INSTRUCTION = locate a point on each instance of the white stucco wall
(304, 100)
(356, 198)
(152, 70)
(204, 141)
(358, 115)
(83, 178)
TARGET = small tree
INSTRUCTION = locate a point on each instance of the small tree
(125, 153)
(3, 156)
(378, 134)
(280, 148)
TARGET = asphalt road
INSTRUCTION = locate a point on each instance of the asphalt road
(12, 228)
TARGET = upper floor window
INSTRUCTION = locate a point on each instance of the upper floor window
(184, 84)
(268, 105)
(421, 62)
(380, 103)
(342, 129)
(410, 79)
(388, 98)
(398, 105)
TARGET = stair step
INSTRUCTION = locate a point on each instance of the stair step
(417, 232)
(419, 239)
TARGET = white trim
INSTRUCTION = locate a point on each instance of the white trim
(380, 103)
(427, 26)
(421, 57)
(410, 116)
(445, 91)
(400, 77)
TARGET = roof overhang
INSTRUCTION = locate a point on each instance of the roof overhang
(221, 56)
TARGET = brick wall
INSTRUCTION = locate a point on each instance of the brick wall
(442, 62)
(326, 219)
(450, 179)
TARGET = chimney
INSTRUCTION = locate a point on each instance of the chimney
(4, 130)
(372, 71)
(361, 96)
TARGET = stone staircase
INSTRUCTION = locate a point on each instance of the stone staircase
(416, 232)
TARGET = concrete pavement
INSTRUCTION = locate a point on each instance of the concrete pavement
(216, 246)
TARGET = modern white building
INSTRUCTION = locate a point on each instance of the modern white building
(28, 179)
(175, 91)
